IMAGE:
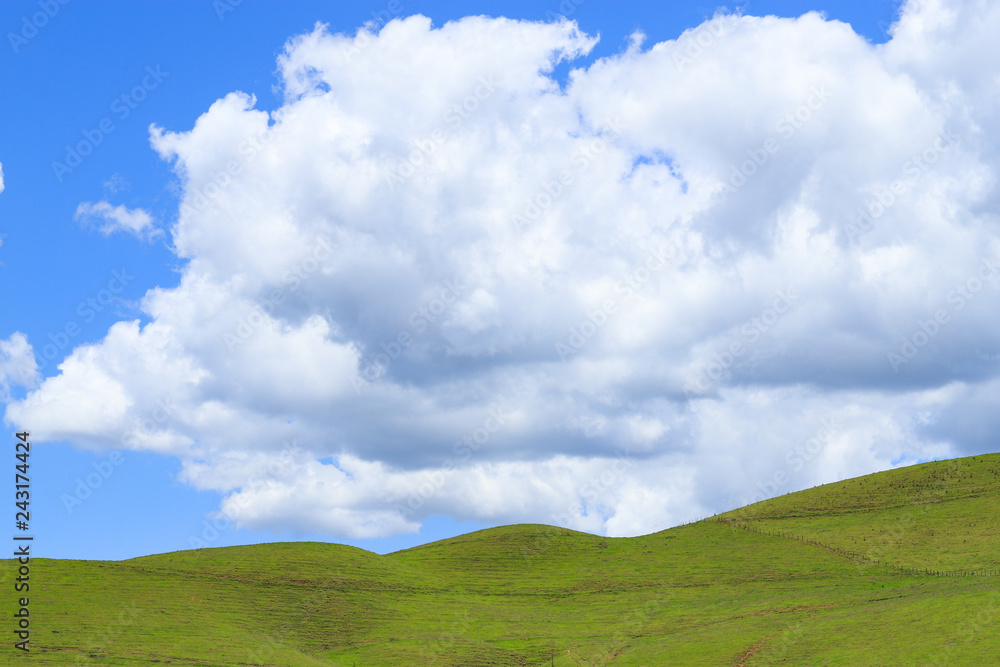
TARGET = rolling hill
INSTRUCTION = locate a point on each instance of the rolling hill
(895, 568)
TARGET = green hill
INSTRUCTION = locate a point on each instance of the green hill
(896, 568)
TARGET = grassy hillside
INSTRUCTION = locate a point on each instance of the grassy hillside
(835, 575)
(941, 515)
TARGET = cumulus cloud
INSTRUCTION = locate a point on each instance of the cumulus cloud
(436, 281)
(109, 219)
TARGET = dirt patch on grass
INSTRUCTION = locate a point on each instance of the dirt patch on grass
(751, 652)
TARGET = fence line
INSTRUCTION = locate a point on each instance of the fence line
(855, 556)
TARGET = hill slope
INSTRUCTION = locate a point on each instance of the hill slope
(835, 575)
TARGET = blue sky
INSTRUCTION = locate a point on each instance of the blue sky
(114, 69)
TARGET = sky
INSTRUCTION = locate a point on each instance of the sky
(385, 274)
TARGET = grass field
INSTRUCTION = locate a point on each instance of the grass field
(895, 568)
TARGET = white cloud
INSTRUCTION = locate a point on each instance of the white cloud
(109, 219)
(384, 269)
(17, 364)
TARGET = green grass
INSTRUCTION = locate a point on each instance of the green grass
(835, 575)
